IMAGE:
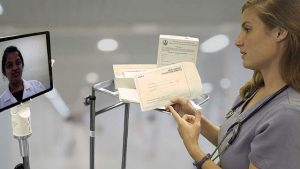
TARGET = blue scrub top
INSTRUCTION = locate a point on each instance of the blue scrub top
(269, 139)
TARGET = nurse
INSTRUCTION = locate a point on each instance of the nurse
(262, 130)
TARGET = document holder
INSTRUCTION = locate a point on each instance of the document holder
(108, 88)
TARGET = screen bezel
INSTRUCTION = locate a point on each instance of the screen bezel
(14, 37)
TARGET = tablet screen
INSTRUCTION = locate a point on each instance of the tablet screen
(26, 68)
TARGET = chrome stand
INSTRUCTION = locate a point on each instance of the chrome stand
(106, 87)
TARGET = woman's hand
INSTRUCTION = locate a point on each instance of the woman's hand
(189, 127)
(182, 106)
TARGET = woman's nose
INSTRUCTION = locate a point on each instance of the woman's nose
(238, 41)
(15, 66)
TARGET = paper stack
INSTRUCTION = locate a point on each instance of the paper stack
(153, 85)
(174, 49)
(124, 80)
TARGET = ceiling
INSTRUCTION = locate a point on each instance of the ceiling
(108, 13)
(76, 26)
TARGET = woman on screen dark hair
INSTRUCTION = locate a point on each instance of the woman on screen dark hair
(18, 88)
(262, 130)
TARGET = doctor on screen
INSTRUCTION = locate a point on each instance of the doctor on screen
(18, 88)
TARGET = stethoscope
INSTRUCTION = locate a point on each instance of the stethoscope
(236, 127)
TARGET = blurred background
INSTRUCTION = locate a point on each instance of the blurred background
(130, 32)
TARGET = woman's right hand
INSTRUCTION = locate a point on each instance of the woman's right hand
(189, 128)
(182, 106)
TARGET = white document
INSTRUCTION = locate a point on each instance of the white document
(157, 87)
(124, 80)
(175, 49)
(128, 95)
(125, 73)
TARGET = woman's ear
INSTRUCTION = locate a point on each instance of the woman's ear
(281, 34)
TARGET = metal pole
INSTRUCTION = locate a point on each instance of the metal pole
(24, 150)
(109, 108)
(125, 135)
(90, 100)
(92, 129)
(26, 162)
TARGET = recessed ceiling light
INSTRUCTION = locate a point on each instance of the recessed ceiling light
(145, 28)
(107, 45)
(1, 9)
(215, 44)
(225, 83)
(92, 77)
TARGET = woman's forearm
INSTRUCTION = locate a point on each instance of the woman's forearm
(209, 130)
(197, 154)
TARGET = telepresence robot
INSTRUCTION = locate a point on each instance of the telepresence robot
(38, 54)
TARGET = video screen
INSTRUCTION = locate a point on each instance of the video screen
(26, 68)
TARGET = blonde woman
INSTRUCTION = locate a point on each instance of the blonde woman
(263, 128)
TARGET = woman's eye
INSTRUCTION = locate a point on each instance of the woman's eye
(18, 62)
(247, 29)
(8, 65)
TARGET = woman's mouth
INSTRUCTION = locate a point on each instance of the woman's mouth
(16, 74)
(243, 53)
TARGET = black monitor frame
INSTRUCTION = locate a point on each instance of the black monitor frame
(47, 35)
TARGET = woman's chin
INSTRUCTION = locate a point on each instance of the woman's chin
(247, 66)
(15, 80)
